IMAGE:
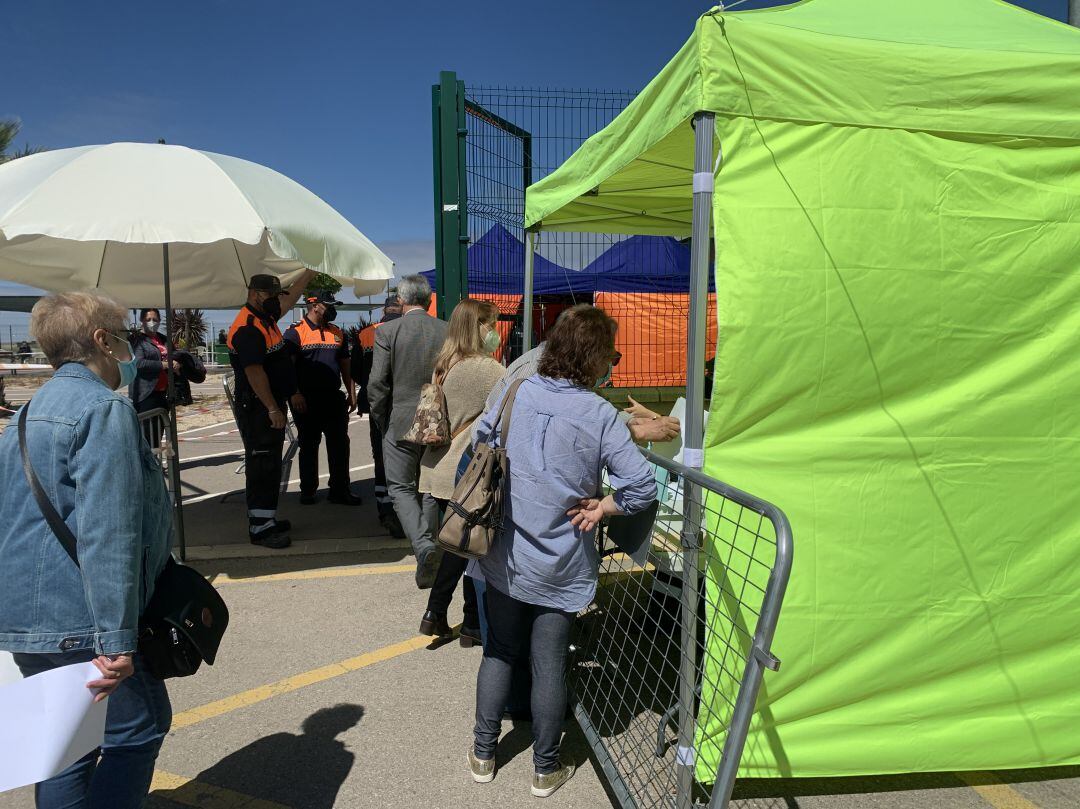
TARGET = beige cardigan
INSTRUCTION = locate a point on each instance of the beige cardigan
(466, 388)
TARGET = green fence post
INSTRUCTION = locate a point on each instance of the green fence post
(451, 205)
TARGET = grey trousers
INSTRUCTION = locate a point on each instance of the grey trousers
(418, 513)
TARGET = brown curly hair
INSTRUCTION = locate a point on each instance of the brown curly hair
(580, 346)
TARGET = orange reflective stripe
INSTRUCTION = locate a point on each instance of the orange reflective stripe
(270, 331)
(367, 336)
(329, 336)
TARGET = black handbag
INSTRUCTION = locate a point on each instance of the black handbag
(186, 618)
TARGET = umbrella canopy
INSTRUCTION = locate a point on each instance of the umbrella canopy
(95, 217)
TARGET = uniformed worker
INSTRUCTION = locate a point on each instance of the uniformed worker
(265, 379)
(319, 406)
(361, 365)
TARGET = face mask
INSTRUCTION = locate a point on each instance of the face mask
(150, 326)
(492, 341)
(272, 307)
(604, 379)
(128, 369)
(330, 314)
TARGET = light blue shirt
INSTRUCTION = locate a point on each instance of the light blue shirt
(561, 439)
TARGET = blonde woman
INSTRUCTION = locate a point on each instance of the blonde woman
(467, 372)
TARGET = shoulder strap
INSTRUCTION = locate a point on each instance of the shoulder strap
(58, 526)
(507, 410)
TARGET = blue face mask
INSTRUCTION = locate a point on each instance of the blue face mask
(128, 372)
(605, 378)
(128, 369)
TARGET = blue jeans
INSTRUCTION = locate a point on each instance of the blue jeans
(118, 775)
(518, 633)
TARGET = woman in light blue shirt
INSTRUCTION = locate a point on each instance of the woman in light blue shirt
(542, 568)
(87, 450)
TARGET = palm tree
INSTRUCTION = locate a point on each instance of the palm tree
(8, 130)
(189, 328)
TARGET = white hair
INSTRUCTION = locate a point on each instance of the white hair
(414, 290)
(64, 324)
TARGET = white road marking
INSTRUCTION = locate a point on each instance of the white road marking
(212, 495)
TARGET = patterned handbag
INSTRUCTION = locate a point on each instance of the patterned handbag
(431, 422)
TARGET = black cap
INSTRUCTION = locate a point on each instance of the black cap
(320, 296)
(265, 283)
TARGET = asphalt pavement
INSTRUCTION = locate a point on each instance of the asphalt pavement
(324, 695)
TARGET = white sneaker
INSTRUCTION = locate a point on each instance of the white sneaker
(544, 785)
(483, 770)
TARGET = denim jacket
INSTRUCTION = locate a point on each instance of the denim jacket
(93, 463)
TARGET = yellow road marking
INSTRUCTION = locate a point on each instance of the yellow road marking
(189, 792)
(330, 573)
(995, 791)
(297, 681)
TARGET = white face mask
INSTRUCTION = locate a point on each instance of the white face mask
(150, 326)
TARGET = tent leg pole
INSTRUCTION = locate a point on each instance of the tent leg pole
(527, 300)
(693, 442)
(174, 443)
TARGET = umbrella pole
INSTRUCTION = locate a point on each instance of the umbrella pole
(174, 443)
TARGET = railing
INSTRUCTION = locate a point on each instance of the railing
(155, 427)
(291, 443)
(667, 662)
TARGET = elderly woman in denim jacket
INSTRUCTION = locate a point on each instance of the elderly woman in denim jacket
(86, 448)
(542, 568)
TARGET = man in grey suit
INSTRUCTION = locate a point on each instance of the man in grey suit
(403, 361)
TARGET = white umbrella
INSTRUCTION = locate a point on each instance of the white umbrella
(96, 217)
(158, 225)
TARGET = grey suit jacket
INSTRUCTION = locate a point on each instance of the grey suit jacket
(402, 363)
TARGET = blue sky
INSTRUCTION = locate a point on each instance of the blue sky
(335, 95)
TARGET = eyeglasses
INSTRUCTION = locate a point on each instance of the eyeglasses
(125, 346)
(615, 359)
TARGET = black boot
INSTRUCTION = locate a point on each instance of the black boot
(435, 624)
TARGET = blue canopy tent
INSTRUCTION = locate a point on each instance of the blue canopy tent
(496, 263)
(643, 264)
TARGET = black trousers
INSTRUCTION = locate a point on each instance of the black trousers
(451, 571)
(262, 453)
(382, 495)
(152, 430)
(327, 414)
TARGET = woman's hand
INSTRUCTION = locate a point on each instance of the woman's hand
(660, 429)
(588, 513)
(639, 411)
(114, 670)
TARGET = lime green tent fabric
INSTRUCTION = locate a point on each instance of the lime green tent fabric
(897, 226)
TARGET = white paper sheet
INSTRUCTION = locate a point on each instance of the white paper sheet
(49, 722)
(9, 672)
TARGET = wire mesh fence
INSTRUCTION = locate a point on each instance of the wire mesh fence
(155, 426)
(667, 662)
(517, 136)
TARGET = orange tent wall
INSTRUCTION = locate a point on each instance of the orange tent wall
(652, 336)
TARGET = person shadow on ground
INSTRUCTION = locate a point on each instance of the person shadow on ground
(298, 770)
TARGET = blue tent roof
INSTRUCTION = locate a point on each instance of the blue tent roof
(497, 266)
(638, 264)
(643, 264)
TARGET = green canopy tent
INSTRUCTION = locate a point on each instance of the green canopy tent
(896, 220)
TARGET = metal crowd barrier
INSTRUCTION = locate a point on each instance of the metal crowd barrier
(155, 427)
(291, 443)
(667, 662)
